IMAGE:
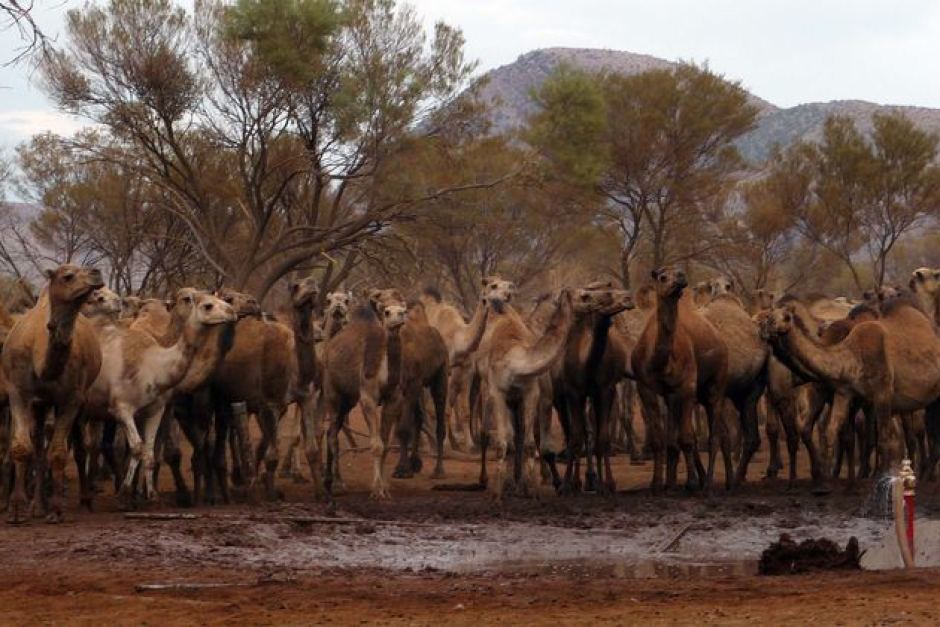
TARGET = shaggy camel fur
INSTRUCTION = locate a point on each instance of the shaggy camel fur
(509, 361)
(890, 365)
(681, 357)
(138, 377)
(361, 365)
(50, 359)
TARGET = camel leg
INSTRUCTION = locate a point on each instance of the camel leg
(484, 410)
(809, 410)
(655, 435)
(528, 486)
(6, 464)
(125, 415)
(920, 436)
(152, 419)
(58, 456)
(869, 434)
(21, 452)
(369, 401)
(196, 436)
(292, 425)
(910, 439)
(439, 394)
(838, 414)
(627, 414)
(747, 410)
(502, 422)
(267, 449)
(888, 452)
(408, 430)
(932, 429)
(560, 402)
(546, 450)
(173, 456)
(43, 426)
(108, 436)
(332, 450)
(684, 407)
(603, 402)
(224, 422)
(83, 467)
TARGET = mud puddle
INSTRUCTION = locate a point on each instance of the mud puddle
(639, 569)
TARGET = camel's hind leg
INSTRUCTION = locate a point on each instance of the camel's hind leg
(21, 453)
(655, 433)
(58, 455)
(439, 393)
(683, 413)
(603, 403)
(408, 431)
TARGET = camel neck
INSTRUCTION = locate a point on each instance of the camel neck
(334, 325)
(182, 353)
(61, 326)
(667, 318)
(823, 363)
(303, 343)
(393, 354)
(469, 337)
(929, 305)
(600, 334)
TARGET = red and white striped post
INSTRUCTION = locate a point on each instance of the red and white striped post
(908, 483)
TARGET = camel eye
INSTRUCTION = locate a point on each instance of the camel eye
(68, 277)
(207, 306)
(585, 298)
(662, 279)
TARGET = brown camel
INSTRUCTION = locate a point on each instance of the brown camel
(424, 364)
(890, 365)
(509, 361)
(681, 357)
(269, 367)
(595, 360)
(50, 358)
(747, 363)
(361, 365)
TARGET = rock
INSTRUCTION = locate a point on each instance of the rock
(786, 557)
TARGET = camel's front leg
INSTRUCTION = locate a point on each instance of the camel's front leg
(58, 455)
(21, 452)
(125, 415)
(655, 436)
(369, 402)
(152, 416)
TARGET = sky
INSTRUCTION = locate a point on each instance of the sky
(786, 52)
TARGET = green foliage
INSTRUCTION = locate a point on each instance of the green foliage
(571, 124)
(289, 36)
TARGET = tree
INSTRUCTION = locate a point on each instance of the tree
(868, 194)
(17, 15)
(271, 131)
(664, 157)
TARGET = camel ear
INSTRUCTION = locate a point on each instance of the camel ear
(655, 274)
(919, 275)
(49, 272)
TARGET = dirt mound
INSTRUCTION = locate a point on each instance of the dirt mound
(786, 557)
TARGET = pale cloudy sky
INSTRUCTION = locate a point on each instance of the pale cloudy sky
(787, 52)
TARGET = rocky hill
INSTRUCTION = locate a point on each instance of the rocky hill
(509, 88)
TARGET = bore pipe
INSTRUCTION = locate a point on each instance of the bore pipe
(904, 512)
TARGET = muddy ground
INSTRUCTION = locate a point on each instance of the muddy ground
(428, 557)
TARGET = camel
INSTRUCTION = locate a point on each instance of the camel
(461, 339)
(269, 367)
(361, 365)
(925, 285)
(50, 359)
(138, 377)
(424, 364)
(130, 306)
(681, 357)
(890, 365)
(596, 358)
(509, 361)
(747, 363)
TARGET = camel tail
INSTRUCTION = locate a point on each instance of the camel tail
(546, 350)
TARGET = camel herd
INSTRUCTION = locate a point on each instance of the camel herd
(118, 382)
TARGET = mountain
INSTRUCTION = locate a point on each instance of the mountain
(509, 90)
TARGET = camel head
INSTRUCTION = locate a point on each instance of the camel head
(764, 299)
(777, 322)
(721, 285)
(644, 297)
(925, 280)
(72, 284)
(498, 292)
(338, 305)
(102, 302)
(303, 292)
(669, 281)
(243, 304)
(390, 307)
(702, 293)
(208, 310)
(604, 300)
(130, 306)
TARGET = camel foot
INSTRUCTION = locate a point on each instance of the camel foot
(17, 514)
(821, 489)
(298, 478)
(380, 494)
(637, 461)
(565, 488)
(692, 486)
(36, 507)
(611, 486)
(86, 503)
(590, 483)
(416, 464)
(55, 518)
(184, 499)
(403, 473)
(438, 472)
